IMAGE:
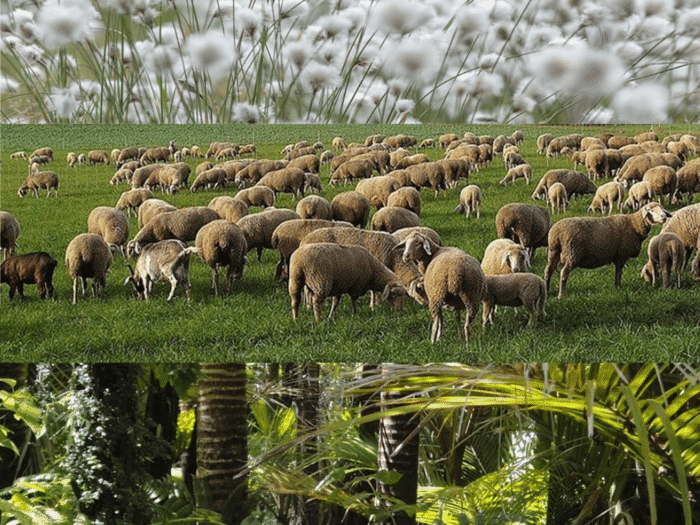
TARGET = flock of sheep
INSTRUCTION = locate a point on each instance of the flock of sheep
(325, 250)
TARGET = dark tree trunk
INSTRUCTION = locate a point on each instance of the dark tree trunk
(13, 465)
(162, 408)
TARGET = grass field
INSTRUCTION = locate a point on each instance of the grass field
(594, 322)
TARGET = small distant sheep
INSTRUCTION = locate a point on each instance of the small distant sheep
(312, 183)
(9, 232)
(557, 197)
(166, 260)
(411, 160)
(229, 208)
(470, 201)
(521, 171)
(286, 180)
(666, 255)
(326, 157)
(352, 207)
(252, 172)
(576, 183)
(111, 224)
(392, 218)
(524, 224)
(339, 143)
(378, 189)
(222, 244)
(120, 176)
(71, 159)
(47, 152)
(47, 180)
(543, 142)
(314, 207)
(427, 143)
(352, 170)
(518, 289)
(609, 195)
(82, 160)
(130, 200)
(209, 179)
(126, 155)
(308, 163)
(18, 155)
(98, 157)
(88, 257)
(503, 256)
(407, 197)
(597, 164)
(257, 196)
(258, 227)
(30, 268)
(640, 194)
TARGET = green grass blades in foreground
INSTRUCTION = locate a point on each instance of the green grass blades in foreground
(593, 322)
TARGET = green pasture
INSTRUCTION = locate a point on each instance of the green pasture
(594, 322)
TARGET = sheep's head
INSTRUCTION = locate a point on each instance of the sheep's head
(137, 288)
(516, 258)
(654, 213)
(415, 247)
(394, 294)
(647, 273)
(417, 290)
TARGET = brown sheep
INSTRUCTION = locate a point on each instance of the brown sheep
(222, 244)
(407, 197)
(392, 218)
(524, 224)
(352, 207)
(30, 268)
(576, 183)
(229, 208)
(666, 254)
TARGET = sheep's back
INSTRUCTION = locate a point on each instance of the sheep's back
(686, 224)
(452, 272)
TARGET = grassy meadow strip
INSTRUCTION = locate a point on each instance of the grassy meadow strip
(593, 322)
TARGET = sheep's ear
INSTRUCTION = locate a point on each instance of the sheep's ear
(426, 246)
(505, 258)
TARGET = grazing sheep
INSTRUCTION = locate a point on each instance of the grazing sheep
(518, 289)
(452, 279)
(9, 232)
(352, 170)
(47, 152)
(352, 207)
(82, 159)
(407, 197)
(666, 254)
(469, 201)
(30, 268)
(392, 218)
(288, 235)
(685, 223)
(222, 244)
(403, 234)
(114, 154)
(339, 143)
(543, 142)
(142, 174)
(584, 242)
(378, 189)
(286, 180)
(427, 143)
(332, 270)
(411, 160)
(167, 260)
(88, 257)
(203, 166)
(308, 163)
(97, 157)
(400, 141)
(131, 200)
(428, 175)
(455, 169)
(182, 224)
(446, 139)
(209, 179)
(597, 164)
(111, 224)
(150, 208)
(688, 181)
(312, 183)
(557, 197)
(314, 207)
(680, 149)
(396, 156)
(169, 178)
(635, 167)
(607, 196)
(524, 224)
(258, 227)
(18, 155)
(326, 157)
(71, 159)
(692, 142)
(521, 171)
(257, 196)
(256, 170)
(126, 155)
(663, 181)
(47, 180)
(154, 155)
(646, 136)
(503, 256)
(640, 193)
(122, 175)
(229, 208)
(576, 183)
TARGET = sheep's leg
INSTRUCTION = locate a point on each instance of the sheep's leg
(75, 289)
(215, 279)
(436, 329)
(318, 305)
(173, 285)
(552, 263)
(83, 282)
(563, 277)
(618, 274)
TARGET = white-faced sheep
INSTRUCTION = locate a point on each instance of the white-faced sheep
(182, 224)
(584, 242)
(407, 197)
(166, 260)
(663, 181)
(88, 257)
(557, 197)
(9, 232)
(209, 179)
(392, 218)
(222, 244)
(339, 143)
(18, 155)
(150, 208)
(640, 193)
(258, 227)
(111, 224)
(609, 195)
(257, 196)
(229, 208)
(666, 255)
(47, 180)
(378, 189)
(576, 183)
(403, 234)
(314, 207)
(48, 152)
(518, 289)
(521, 171)
(286, 180)
(524, 224)
(470, 201)
(71, 159)
(452, 279)
(692, 142)
(29, 268)
(130, 200)
(503, 256)
(352, 207)
(332, 270)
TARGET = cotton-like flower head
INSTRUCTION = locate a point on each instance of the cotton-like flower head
(396, 87)
(470, 22)
(248, 21)
(689, 22)
(211, 53)
(333, 25)
(316, 77)
(641, 104)
(298, 53)
(246, 113)
(330, 53)
(63, 102)
(161, 60)
(8, 85)
(399, 16)
(416, 59)
(405, 105)
(65, 22)
(291, 9)
(628, 52)
(357, 17)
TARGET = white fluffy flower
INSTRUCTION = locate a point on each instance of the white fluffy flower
(317, 77)
(641, 104)
(63, 102)
(417, 60)
(400, 16)
(8, 85)
(246, 113)
(405, 105)
(689, 22)
(211, 53)
(248, 21)
(470, 22)
(64, 23)
(161, 60)
(298, 53)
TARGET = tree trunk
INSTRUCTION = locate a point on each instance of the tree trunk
(20, 435)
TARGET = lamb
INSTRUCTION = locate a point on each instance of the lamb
(378, 189)
(131, 200)
(286, 180)
(331, 270)
(166, 260)
(312, 183)
(288, 235)
(521, 171)
(503, 256)
(182, 224)
(576, 183)
(71, 159)
(663, 181)
(30, 268)
(392, 218)
(9, 232)
(326, 157)
(524, 224)
(407, 197)
(222, 244)
(47, 180)
(427, 143)
(257, 196)
(557, 197)
(18, 155)
(97, 157)
(640, 193)
(88, 257)
(258, 227)
(211, 178)
(352, 207)
(229, 208)
(469, 201)
(110, 224)
(584, 242)
(452, 278)
(150, 208)
(666, 254)
(114, 154)
(518, 289)
(314, 207)
(608, 195)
